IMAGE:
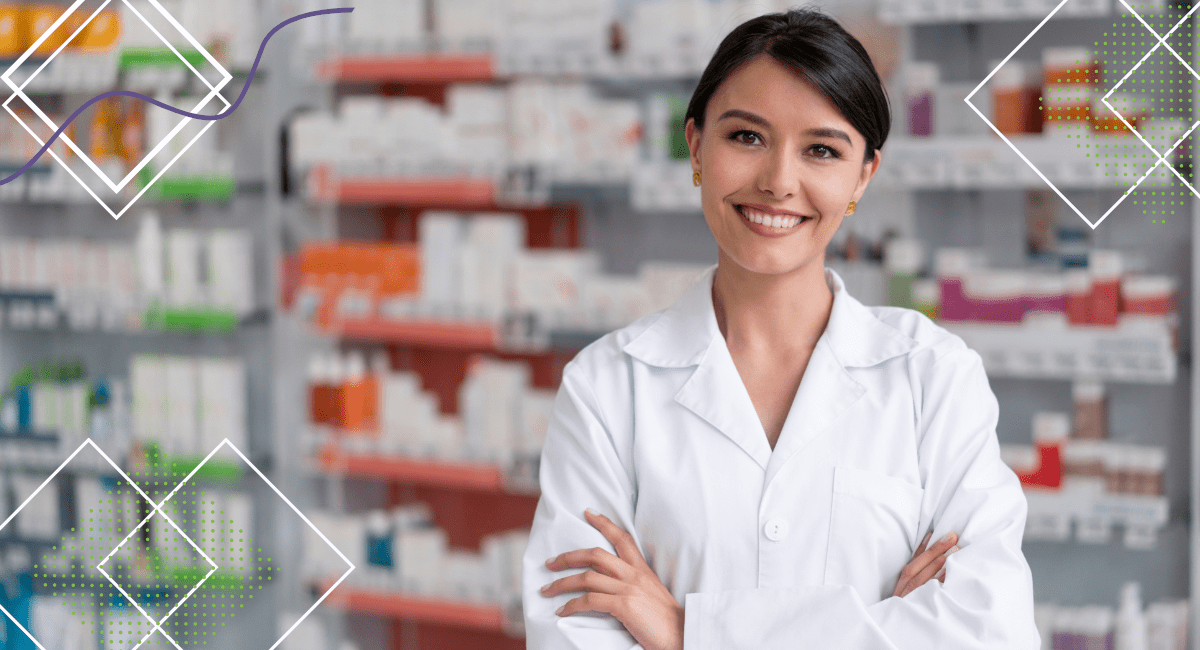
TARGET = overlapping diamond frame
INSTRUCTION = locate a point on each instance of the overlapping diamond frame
(19, 91)
(157, 508)
(1161, 157)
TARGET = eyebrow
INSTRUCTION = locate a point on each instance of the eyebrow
(821, 132)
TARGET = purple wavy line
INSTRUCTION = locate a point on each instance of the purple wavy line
(177, 111)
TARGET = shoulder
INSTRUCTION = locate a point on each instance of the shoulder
(602, 367)
(934, 343)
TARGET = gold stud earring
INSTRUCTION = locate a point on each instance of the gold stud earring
(851, 208)
(696, 179)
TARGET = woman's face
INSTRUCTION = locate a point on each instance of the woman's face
(774, 146)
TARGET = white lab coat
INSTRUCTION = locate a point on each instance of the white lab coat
(892, 432)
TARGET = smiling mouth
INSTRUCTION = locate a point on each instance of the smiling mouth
(771, 221)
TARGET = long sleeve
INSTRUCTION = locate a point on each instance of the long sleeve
(580, 469)
(986, 601)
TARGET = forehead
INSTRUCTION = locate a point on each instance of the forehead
(768, 88)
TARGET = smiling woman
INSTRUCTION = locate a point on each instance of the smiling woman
(769, 458)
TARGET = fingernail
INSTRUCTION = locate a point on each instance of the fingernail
(940, 574)
(551, 560)
(947, 537)
(559, 611)
(591, 512)
(953, 549)
(544, 588)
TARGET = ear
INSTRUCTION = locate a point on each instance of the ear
(693, 139)
(868, 172)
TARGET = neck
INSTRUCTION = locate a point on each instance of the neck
(773, 314)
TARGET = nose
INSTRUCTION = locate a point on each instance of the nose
(780, 174)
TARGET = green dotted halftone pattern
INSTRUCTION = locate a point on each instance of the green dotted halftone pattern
(157, 567)
(1160, 88)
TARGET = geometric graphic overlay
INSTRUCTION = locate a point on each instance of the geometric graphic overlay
(138, 570)
(106, 180)
(1124, 111)
(128, 169)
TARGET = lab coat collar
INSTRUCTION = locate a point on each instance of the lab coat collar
(686, 335)
(684, 332)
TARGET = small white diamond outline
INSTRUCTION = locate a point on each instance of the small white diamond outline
(1037, 171)
(214, 91)
(252, 466)
(1161, 41)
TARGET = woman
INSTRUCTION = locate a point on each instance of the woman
(766, 454)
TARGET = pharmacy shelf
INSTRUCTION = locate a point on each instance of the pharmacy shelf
(37, 437)
(487, 618)
(1135, 352)
(1052, 513)
(458, 475)
(982, 162)
(912, 12)
(466, 193)
(409, 68)
(430, 333)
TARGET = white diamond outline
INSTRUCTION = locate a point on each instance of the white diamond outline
(88, 161)
(252, 466)
(1161, 41)
(157, 626)
(19, 91)
(1037, 171)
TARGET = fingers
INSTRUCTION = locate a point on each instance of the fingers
(590, 581)
(935, 570)
(923, 559)
(595, 558)
(592, 602)
(921, 546)
(622, 541)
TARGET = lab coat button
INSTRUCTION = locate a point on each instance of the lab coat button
(776, 529)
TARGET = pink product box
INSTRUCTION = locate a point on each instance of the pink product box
(1000, 297)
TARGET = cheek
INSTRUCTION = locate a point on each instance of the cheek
(726, 171)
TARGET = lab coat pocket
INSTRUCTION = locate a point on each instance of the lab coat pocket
(873, 521)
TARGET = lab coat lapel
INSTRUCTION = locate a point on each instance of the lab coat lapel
(853, 338)
(716, 393)
(825, 392)
(686, 335)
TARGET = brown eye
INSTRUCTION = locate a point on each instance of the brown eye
(824, 151)
(742, 136)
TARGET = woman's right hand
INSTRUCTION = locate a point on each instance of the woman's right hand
(926, 564)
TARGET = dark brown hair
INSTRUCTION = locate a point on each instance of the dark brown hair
(817, 48)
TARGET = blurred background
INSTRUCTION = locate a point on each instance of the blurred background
(369, 278)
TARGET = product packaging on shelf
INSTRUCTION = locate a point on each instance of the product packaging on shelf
(902, 261)
(1161, 625)
(921, 81)
(187, 404)
(1091, 410)
(1016, 94)
(1105, 267)
(549, 282)
(40, 518)
(489, 249)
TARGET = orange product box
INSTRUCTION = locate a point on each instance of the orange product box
(398, 266)
(41, 18)
(101, 34)
(14, 31)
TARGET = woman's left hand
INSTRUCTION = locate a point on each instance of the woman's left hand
(622, 585)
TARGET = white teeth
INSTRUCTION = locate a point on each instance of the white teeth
(769, 220)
